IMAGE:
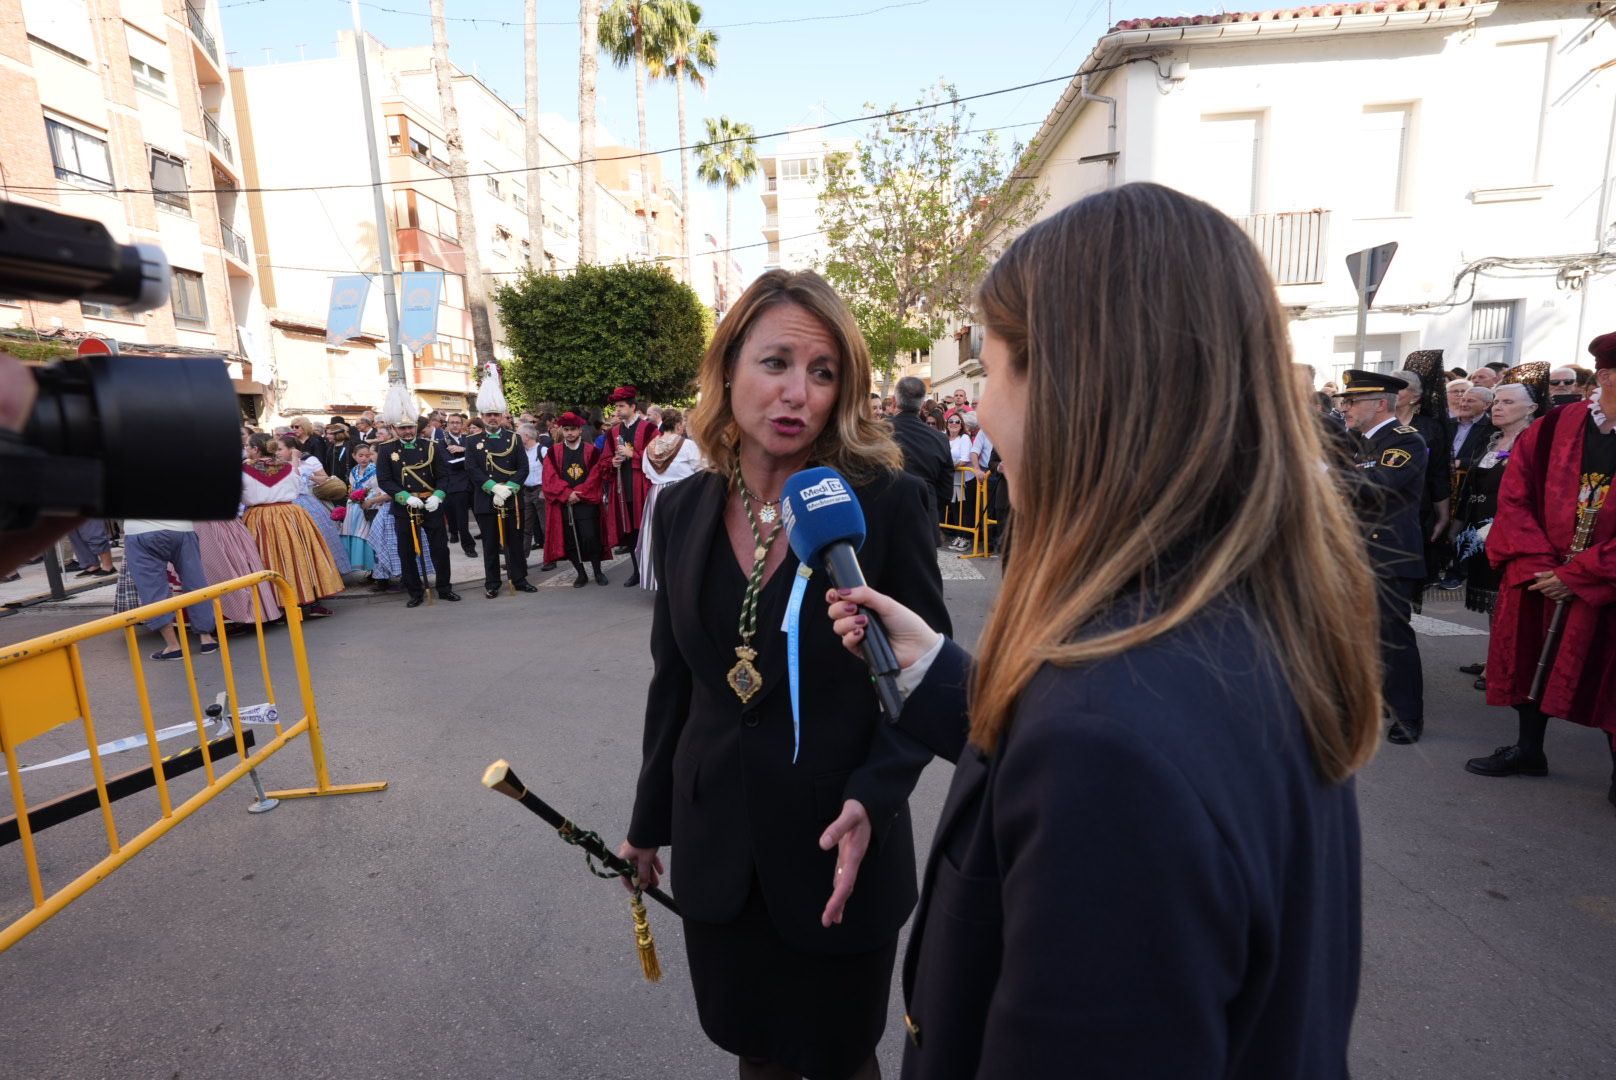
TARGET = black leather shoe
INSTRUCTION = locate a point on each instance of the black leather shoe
(580, 581)
(524, 586)
(415, 601)
(545, 568)
(633, 580)
(449, 595)
(1480, 683)
(1509, 761)
(471, 552)
(490, 593)
(600, 578)
(1405, 732)
(1473, 669)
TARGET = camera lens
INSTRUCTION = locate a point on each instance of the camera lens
(148, 437)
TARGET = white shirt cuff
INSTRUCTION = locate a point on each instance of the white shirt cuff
(915, 674)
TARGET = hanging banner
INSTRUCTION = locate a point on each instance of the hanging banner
(348, 296)
(418, 321)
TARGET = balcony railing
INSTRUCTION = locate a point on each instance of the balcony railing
(217, 138)
(234, 243)
(771, 220)
(772, 184)
(200, 29)
(1293, 244)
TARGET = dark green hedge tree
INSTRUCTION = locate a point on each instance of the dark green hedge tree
(577, 336)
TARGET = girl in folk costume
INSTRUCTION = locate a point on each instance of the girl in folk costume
(575, 528)
(383, 530)
(670, 458)
(287, 538)
(229, 552)
(363, 499)
(311, 474)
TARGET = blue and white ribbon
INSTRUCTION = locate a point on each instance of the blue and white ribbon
(799, 589)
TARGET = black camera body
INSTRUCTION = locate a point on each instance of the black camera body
(92, 445)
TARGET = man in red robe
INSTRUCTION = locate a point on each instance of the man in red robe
(575, 529)
(626, 484)
(1558, 476)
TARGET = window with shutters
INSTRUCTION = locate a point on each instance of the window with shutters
(78, 155)
(1383, 159)
(1229, 165)
(62, 26)
(148, 62)
(1493, 333)
(168, 182)
(189, 298)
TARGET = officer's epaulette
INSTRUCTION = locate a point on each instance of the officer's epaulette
(1406, 429)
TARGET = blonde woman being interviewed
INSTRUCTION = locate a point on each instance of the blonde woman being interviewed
(793, 859)
(1148, 863)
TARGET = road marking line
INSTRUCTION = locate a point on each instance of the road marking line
(1424, 624)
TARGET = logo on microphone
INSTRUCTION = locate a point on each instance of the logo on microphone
(828, 492)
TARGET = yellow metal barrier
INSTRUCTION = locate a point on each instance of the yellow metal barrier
(42, 687)
(977, 530)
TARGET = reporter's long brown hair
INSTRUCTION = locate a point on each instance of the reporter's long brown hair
(1220, 491)
(852, 443)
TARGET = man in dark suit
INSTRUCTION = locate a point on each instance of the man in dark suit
(457, 483)
(1390, 467)
(925, 449)
(1471, 431)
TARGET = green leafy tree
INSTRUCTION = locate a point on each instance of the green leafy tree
(727, 159)
(913, 218)
(577, 336)
(691, 54)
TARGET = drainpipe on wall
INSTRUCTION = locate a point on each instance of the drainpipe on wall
(1111, 154)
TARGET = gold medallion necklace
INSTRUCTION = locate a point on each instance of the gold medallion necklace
(744, 677)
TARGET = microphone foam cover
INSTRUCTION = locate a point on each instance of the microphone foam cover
(820, 509)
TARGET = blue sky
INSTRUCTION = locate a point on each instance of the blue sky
(771, 74)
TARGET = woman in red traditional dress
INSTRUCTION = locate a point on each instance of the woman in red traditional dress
(1554, 544)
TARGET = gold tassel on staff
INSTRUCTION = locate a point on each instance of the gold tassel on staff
(642, 937)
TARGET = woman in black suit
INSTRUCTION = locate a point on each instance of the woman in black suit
(790, 962)
(1148, 863)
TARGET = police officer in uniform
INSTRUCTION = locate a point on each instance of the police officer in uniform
(410, 469)
(497, 466)
(1389, 467)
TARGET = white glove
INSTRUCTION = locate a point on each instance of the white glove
(500, 494)
(415, 503)
(432, 503)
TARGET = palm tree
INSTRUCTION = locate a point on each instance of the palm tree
(588, 46)
(631, 31)
(691, 53)
(728, 159)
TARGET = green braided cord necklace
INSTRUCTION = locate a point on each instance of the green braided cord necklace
(744, 677)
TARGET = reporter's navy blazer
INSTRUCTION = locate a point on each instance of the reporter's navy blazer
(1147, 879)
(718, 782)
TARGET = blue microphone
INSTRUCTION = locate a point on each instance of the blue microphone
(826, 526)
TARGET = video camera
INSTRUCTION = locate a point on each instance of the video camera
(99, 440)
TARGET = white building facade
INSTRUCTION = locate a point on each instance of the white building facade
(1477, 136)
(793, 177)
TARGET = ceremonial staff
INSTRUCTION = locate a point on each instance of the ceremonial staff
(572, 526)
(1551, 641)
(500, 778)
(499, 520)
(420, 560)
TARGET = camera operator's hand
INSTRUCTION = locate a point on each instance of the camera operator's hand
(17, 393)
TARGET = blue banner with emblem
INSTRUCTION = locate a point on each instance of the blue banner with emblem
(348, 295)
(418, 320)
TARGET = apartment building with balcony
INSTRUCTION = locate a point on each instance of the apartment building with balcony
(618, 171)
(304, 128)
(1477, 135)
(121, 111)
(793, 176)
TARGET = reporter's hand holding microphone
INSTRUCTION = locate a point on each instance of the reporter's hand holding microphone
(909, 635)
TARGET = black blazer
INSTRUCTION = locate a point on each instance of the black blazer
(1474, 445)
(1146, 880)
(718, 782)
(926, 455)
(1390, 469)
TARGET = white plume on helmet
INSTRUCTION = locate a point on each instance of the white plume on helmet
(398, 408)
(490, 395)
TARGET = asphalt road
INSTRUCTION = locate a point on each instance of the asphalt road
(438, 930)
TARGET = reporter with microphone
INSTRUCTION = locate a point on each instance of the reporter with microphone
(785, 802)
(1148, 862)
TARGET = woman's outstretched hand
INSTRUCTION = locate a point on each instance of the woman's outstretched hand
(910, 636)
(849, 834)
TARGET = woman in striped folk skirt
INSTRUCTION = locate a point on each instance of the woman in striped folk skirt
(287, 538)
(309, 473)
(229, 552)
(384, 544)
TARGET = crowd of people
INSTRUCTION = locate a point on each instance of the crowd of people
(1488, 486)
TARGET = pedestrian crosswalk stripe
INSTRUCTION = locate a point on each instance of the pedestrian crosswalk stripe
(1424, 624)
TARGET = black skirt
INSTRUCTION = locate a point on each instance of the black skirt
(820, 1016)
